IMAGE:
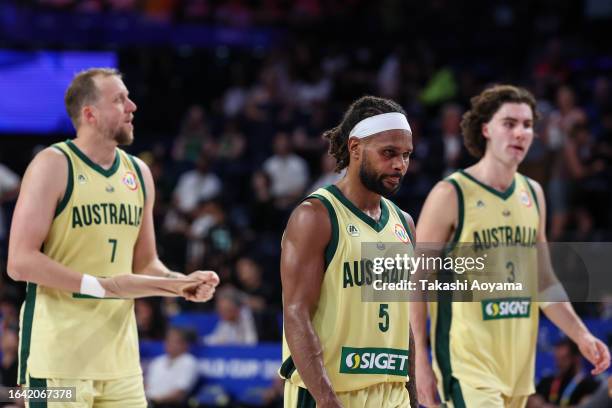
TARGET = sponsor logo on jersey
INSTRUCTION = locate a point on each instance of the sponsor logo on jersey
(524, 197)
(508, 308)
(374, 360)
(81, 179)
(129, 179)
(480, 204)
(506, 213)
(110, 189)
(352, 230)
(401, 233)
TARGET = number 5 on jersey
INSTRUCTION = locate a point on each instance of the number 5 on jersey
(383, 314)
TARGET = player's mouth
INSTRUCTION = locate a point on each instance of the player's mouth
(394, 180)
(517, 148)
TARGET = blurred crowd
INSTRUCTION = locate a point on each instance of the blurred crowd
(233, 137)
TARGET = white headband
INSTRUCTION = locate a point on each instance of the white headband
(380, 123)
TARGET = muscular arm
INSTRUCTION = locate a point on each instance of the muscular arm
(43, 186)
(302, 270)
(146, 260)
(436, 224)
(561, 313)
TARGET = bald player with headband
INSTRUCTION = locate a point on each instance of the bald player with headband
(339, 351)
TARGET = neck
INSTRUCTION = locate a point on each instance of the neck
(364, 199)
(99, 149)
(493, 172)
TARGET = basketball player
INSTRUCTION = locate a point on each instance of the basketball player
(481, 359)
(330, 335)
(82, 238)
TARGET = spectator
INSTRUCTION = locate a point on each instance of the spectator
(328, 172)
(150, 320)
(288, 172)
(9, 365)
(171, 377)
(588, 185)
(236, 324)
(193, 136)
(265, 218)
(258, 293)
(571, 385)
(196, 186)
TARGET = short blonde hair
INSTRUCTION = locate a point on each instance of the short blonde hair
(83, 90)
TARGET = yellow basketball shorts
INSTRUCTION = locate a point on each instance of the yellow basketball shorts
(383, 395)
(126, 392)
(465, 396)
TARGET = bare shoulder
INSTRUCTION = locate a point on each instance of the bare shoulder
(309, 223)
(537, 187)
(49, 167)
(440, 213)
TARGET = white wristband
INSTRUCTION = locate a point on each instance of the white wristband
(91, 286)
(553, 294)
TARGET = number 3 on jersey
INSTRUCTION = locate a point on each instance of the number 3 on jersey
(383, 314)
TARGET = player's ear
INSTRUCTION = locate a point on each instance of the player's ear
(353, 147)
(87, 114)
(485, 130)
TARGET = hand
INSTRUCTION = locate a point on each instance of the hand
(203, 289)
(595, 351)
(426, 383)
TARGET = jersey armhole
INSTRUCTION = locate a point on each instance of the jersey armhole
(140, 178)
(69, 185)
(330, 250)
(460, 215)
(400, 215)
(533, 193)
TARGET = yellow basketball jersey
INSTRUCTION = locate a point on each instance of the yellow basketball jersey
(96, 225)
(364, 343)
(491, 342)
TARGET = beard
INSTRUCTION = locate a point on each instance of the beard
(375, 182)
(123, 137)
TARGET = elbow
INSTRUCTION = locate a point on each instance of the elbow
(15, 269)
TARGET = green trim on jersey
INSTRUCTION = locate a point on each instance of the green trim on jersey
(38, 383)
(460, 216)
(330, 250)
(287, 368)
(305, 399)
(443, 326)
(457, 394)
(106, 173)
(501, 194)
(533, 193)
(384, 210)
(137, 167)
(69, 185)
(400, 215)
(26, 330)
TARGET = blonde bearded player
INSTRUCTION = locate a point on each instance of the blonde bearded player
(483, 360)
(337, 350)
(82, 237)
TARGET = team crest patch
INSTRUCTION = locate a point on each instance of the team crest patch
(352, 230)
(401, 233)
(129, 179)
(524, 197)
